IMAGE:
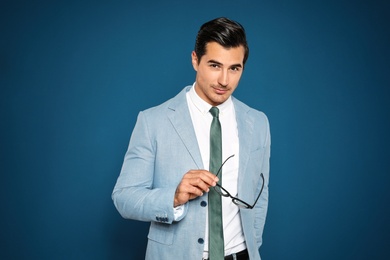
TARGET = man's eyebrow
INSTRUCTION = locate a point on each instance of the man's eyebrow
(214, 62)
(217, 62)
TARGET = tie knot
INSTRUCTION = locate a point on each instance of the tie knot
(214, 111)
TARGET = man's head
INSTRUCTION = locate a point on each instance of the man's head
(223, 31)
(220, 53)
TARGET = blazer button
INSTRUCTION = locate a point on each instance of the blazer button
(200, 241)
(203, 203)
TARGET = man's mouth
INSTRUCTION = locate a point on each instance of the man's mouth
(220, 91)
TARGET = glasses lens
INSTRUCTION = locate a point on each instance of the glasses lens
(221, 191)
(240, 203)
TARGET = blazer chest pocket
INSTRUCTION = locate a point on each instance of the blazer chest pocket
(257, 156)
(161, 233)
(255, 164)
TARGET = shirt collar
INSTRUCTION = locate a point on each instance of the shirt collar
(204, 107)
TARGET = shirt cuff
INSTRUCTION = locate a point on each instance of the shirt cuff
(178, 212)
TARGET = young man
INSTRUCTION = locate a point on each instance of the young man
(173, 174)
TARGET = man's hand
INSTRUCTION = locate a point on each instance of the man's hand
(193, 184)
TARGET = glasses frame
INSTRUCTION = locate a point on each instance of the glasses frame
(240, 203)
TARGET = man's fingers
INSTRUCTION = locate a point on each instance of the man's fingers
(186, 188)
(200, 177)
(193, 184)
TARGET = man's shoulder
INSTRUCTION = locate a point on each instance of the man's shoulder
(242, 108)
(170, 104)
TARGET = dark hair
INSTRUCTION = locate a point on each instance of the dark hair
(228, 33)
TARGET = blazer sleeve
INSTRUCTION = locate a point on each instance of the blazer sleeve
(134, 195)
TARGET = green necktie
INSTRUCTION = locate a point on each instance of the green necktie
(216, 244)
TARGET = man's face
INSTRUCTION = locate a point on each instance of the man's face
(218, 72)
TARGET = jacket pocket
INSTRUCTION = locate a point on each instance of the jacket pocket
(161, 233)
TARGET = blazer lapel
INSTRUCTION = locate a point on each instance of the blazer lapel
(180, 117)
(245, 132)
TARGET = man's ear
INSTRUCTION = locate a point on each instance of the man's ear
(194, 59)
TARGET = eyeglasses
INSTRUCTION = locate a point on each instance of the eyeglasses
(240, 203)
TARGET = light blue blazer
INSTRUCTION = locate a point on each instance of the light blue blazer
(163, 147)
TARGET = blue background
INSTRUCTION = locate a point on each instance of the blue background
(75, 74)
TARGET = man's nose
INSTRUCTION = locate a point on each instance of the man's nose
(223, 79)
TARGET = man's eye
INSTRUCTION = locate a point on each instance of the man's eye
(214, 65)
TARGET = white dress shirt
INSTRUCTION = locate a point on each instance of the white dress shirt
(201, 119)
